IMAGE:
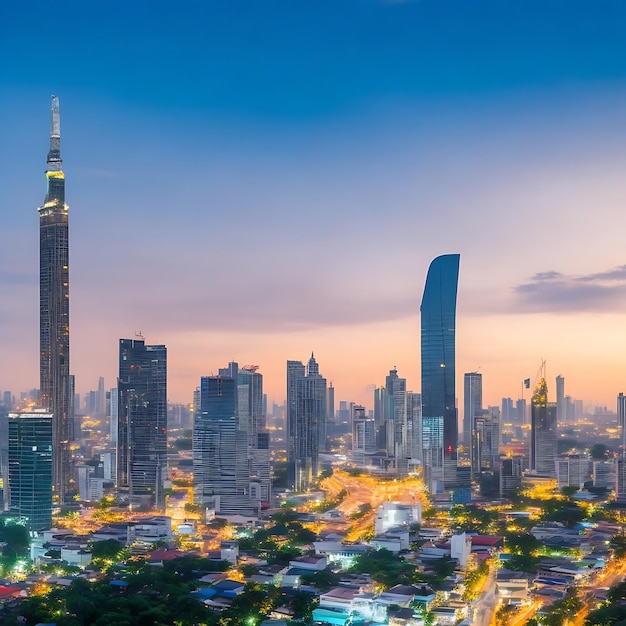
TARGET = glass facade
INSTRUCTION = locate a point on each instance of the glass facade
(30, 467)
(543, 440)
(56, 384)
(438, 315)
(220, 448)
(306, 421)
(142, 422)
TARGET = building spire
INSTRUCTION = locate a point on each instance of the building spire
(54, 156)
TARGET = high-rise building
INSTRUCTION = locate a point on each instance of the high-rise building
(252, 418)
(363, 436)
(511, 468)
(509, 414)
(220, 448)
(142, 422)
(31, 439)
(543, 435)
(432, 453)
(561, 413)
(56, 385)
(100, 400)
(472, 403)
(306, 415)
(395, 388)
(485, 449)
(330, 403)
(620, 488)
(380, 416)
(573, 470)
(113, 416)
(438, 323)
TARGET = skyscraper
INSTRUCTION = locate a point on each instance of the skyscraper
(543, 445)
(220, 447)
(620, 490)
(306, 418)
(395, 388)
(472, 403)
(438, 319)
(142, 422)
(56, 385)
(30, 466)
(251, 409)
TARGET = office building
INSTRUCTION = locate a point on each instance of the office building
(31, 436)
(433, 453)
(511, 468)
(573, 470)
(485, 448)
(142, 422)
(438, 324)
(306, 417)
(220, 448)
(363, 436)
(56, 384)
(543, 435)
(472, 403)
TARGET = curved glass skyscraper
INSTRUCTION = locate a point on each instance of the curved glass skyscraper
(438, 314)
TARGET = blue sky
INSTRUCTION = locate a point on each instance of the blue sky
(255, 180)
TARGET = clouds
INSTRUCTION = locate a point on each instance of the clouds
(554, 292)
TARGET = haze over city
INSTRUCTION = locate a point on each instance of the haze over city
(258, 182)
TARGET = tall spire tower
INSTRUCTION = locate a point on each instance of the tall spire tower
(56, 384)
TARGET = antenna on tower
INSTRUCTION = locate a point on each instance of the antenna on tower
(139, 334)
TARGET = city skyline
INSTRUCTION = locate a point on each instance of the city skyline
(325, 175)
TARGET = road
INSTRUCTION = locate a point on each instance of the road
(485, 606)
(367, 489)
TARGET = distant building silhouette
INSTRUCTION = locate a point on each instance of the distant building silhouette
(142, 422)
(472, 403)
(561, 411)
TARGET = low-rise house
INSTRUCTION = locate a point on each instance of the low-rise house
(311, 563)
(339, 598)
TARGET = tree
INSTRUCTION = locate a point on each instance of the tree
(472, 519)
(564, 609)
(618, 545)
(108, 552)
(598, 452)
(568, 491)
(323, 580)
